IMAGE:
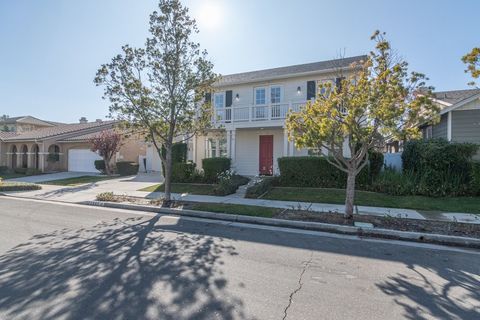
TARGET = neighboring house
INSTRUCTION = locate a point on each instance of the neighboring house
(459, 116)
(250, 110)
(61, 147)
(25, 123)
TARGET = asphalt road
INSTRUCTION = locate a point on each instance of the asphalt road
(72, 262)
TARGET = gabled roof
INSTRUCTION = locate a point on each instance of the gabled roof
(283, 72)
(455, 96)
(29, 120)
(64, 130)
(83, 137)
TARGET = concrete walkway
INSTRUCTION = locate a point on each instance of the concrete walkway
(130, 186)
(52, 177)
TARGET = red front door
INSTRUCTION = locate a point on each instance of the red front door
(266, 155)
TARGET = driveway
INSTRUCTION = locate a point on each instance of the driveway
(53, 176)
(75, 262)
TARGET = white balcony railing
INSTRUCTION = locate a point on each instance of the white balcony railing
(251, 113)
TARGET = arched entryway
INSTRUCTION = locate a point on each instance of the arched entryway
(14, 156)
(24, 156)
(35, 157)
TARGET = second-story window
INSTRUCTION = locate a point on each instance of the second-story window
(260, 96)
(275, 94)
(219, 100)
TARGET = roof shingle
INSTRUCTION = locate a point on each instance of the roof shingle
(285, 71)
(455, 96)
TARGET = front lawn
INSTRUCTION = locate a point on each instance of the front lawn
(365, 198)
(192, 188)
(71, 182)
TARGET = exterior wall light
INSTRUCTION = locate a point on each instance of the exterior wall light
(237, 97)
(299, 90)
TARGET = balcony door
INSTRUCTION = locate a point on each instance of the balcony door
(264, 97)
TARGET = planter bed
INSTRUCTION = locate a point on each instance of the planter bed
(18, 186)
(391, 223)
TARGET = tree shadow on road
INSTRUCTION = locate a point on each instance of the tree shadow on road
(124, 269)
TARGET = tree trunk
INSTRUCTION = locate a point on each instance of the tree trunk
(107, 166)
(168, 176)
(349, 200)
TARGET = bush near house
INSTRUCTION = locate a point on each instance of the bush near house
(439, 168)
(475, 178)
(213, 167)
(127, 168)
(4, 169)
(183, 172)
(261, 187)
(228, 183)
(100, 165)
(317, 172)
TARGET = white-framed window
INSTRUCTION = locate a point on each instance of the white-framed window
(216, 147)
(260, 96)
(429, 132)
(275, 94)
(219, 100)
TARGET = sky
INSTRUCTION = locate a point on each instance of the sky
(50, 50)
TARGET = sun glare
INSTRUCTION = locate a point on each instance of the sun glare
(210, 14)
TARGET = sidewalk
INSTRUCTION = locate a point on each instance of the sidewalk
(130, 186)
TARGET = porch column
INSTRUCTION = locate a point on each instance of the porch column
(233, 136)
(229, 143)
(285, 142)
(449, 126)
(291, 146)
(41, 157)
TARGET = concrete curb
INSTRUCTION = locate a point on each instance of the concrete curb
(312, 226)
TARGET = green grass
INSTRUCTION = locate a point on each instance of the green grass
(365, 198)
(235, 209)
(192, 188)
(70, 182)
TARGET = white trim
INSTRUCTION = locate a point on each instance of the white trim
(449, 126)
(459, 104)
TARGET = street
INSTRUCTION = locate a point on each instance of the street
(60, 261)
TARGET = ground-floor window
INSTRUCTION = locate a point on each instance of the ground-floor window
(216, 147)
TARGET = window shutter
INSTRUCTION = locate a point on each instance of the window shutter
(338, 83)
(228, 98)
(208, 97)
(311, 88)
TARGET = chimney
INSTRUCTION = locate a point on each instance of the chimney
(98, 121)
(83, 120)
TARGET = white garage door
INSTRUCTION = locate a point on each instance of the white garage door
(82, 160)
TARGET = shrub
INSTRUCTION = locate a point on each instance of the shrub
(106, 196)
(100, 165)
(183, 172)
(20, 170)
(261, 187)
(376, 161)
(53, 157)
(127, 168)
(475, 178)
(212, 167)
(17, 186)
(395, 183)
(228, 183)
(32, 172)
(440, 167)
(4, 169)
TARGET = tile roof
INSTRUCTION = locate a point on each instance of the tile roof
(65, 129)
(83, 137)
(455, 96)
(4, 135)
(29, 120)
(286, 71)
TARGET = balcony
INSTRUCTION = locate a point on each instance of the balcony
(252, 114)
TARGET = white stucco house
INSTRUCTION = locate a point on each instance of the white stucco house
(249, 115)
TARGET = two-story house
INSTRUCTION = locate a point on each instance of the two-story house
(249, 115)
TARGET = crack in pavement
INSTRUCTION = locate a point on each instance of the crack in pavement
(300, 285)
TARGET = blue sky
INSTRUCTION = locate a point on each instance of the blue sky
(51, 49)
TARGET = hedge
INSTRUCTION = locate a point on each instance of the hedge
(100, 165)
(230, 186)
(4, 169)
(475, 178)
(127, 168)
(439, 167)
(183, 172)
(317, 172)
(212, 167)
